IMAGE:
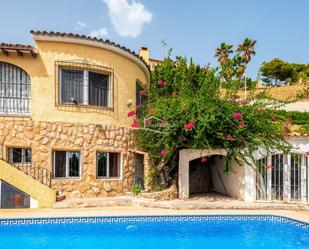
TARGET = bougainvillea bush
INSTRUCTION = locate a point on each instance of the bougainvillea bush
(186, 109)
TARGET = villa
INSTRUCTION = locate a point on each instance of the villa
(65, 130)
(64, 127)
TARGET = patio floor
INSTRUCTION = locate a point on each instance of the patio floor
(196, 202)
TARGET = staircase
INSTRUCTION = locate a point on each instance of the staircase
(31, 179)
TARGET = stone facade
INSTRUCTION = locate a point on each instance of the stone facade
(45, 137)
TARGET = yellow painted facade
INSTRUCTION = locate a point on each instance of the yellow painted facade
(41, 193)
(43, 84)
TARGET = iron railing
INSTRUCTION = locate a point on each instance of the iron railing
(30, 168)
(84, 84)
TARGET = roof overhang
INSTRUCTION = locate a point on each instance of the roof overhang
(95, 43)
(6, 49)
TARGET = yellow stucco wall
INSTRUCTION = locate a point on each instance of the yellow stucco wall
(43, 194)
(42, 73)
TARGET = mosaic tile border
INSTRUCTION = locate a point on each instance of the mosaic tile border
(174, 218)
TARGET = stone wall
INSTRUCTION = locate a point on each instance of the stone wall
(45, 137)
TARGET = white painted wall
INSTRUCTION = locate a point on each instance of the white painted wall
(234, 181)
(33, 203)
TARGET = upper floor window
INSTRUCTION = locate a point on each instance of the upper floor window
(85, 84)
(14, 90)
(19, 155)
(141, 96)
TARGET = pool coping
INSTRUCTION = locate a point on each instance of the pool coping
(152, 218)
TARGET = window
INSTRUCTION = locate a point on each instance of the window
(261, 179)
(277, 177)
(67, 164)
(11, 197)
(84, 84)
(296, 161)
(108, 165)
(140, 96)
(19, 155)
(14, 90)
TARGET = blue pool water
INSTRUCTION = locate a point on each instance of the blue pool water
(157, 233)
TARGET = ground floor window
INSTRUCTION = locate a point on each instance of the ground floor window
(295, 176)
(67, 164)
(283, 177)
(108, 165)
(19, 155)
(277, 176)
(261, 179)
(11, 197)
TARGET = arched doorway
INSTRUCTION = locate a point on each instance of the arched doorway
(15, 89)
(206, 175)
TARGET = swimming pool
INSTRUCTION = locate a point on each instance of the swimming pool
(148, 232)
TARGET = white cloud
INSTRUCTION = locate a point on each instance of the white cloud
(80, 25)
(99, 33)
(128, 18)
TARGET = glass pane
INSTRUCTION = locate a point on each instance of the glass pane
(60, 164)
(12, 197)
(73, 158)
(98, 89)
(28, 155)
(113, 165)
(16, 155)
(261, 179)
(295, 177)
(102, 164)
(72, 86)
(277, 177)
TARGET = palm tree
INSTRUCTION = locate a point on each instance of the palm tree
(223, 53)
(246, 49)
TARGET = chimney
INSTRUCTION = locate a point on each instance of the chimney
(144, 53)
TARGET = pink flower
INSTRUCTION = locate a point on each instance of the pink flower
(260, 110)
(161, 83)
(243, 101)
(204, 159)
(135, 124)
(285, 134)
(163, 153)
(131, 113)
(230, 138)
(307, 153)
(241, 124)
(147, 121)
(269, 166)
(233, 100)
(190, 125)
(138, 107)
(237, 115)
(143, 92)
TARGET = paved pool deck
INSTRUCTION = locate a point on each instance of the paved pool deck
(134, 210)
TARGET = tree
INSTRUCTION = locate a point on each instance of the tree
(246, 49)
(275, 70)
(223, 53)
(186, 110)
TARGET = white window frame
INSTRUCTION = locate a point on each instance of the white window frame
(23, 155)
(120, 160)
(86, 86)
(67, 165)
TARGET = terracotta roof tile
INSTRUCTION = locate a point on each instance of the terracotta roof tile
(89, 38)
(19, 48)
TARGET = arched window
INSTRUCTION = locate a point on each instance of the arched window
(14, 90)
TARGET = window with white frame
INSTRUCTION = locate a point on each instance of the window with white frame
(15, 89)
(277, 177)
(261, 179)
(67, 164)
(19, 155)
(108, 165)
(295, 176)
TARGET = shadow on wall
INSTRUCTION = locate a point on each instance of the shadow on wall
(208, 177)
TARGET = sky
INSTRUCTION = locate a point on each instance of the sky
(192, 28)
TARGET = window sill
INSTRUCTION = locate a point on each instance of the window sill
(109, 178)
(67, 178)
(83, 108)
